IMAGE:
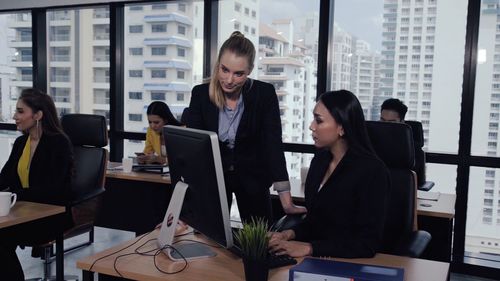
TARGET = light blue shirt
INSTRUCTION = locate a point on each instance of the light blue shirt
(229, 120)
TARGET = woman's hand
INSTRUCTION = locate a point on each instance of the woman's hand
(294, 249)
(283, 235)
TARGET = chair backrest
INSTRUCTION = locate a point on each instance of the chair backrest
(418, 140)
(393, 143)
(88, 134)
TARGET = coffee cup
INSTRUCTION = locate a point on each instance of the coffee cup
(127, 164)
(7, 200)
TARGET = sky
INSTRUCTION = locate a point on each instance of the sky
(361, 18)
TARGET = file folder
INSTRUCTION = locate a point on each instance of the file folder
(329, 270)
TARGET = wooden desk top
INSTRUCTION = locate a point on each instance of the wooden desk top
(28, 211)
(135, 176)
(444, 207)
(226, 266)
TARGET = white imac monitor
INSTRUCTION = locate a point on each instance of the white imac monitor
(199, 197)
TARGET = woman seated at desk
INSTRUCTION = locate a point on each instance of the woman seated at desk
(39, 169)
(346, 188)
(159, 115)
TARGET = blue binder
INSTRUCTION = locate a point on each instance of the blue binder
(329, 270)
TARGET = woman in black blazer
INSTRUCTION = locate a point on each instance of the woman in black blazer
(245, 114)
(38, 170)
(346, 188)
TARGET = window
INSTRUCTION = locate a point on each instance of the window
(158, 96)
(135, 51)
(60, 94)
(135, 95)
(78, 55)
(158, 73)
(135, 117)
(101, 96)
(181, 52)
(181, 29)
(181, 7)
(158, 6)
(135, 73)
(159, 51)
(135, 29)
(158, 27)
(171, 31)
(180, 96)
(180, 74)
(297, 76)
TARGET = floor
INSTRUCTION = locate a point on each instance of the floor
(106, 238)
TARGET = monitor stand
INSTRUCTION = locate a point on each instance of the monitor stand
(188, 251)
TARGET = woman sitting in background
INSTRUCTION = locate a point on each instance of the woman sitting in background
(159, 115)
(346, 188)
(39, 169)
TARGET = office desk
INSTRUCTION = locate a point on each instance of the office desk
(437, 219)
(226, 266)
(134, 201)
(25, 212)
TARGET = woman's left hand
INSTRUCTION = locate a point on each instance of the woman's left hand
(294, 249)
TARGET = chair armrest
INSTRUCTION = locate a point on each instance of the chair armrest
(426, 186)
(414, 245)
(87, 196)
(288, 221)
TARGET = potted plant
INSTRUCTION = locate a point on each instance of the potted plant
(253, 240)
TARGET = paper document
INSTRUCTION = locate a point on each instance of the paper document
(426, 195)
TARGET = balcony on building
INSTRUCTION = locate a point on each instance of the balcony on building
(175, 64)
(168, 18)
(168, 41)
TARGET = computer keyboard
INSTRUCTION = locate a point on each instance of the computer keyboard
(274, 261)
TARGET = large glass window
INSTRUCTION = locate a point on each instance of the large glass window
(388, 52)
(287, 57)
(483, 209)
(171, 36)
(16, 61)
(78, 60)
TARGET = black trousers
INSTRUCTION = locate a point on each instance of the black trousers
(29, 234)
(254, 199)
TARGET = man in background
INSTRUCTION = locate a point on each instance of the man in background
(393, 110)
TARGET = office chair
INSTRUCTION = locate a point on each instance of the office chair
(393, 143)
(88, 134)
(418, 140)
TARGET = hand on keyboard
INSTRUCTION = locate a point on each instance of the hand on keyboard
(274, 261)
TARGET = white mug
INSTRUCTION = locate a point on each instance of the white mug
(127, 164)
(7, 200)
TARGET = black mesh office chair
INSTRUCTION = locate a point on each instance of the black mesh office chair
(393, 143)
(418, 139)
(88, 134)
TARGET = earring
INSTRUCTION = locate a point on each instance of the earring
(38, 127)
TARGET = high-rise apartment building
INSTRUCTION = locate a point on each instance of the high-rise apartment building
(284, 64)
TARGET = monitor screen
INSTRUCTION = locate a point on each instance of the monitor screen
(194, 159)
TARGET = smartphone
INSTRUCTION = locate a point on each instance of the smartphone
(139, 153)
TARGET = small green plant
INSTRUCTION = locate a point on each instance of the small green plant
(253, 239)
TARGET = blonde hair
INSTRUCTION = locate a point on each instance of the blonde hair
(241, 47)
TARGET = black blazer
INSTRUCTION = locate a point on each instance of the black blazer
(346, 217)
(258, 149)
(50, 170)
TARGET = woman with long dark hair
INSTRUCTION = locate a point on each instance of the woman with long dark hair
(159, 115)
(39, 169)
(346, 188)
